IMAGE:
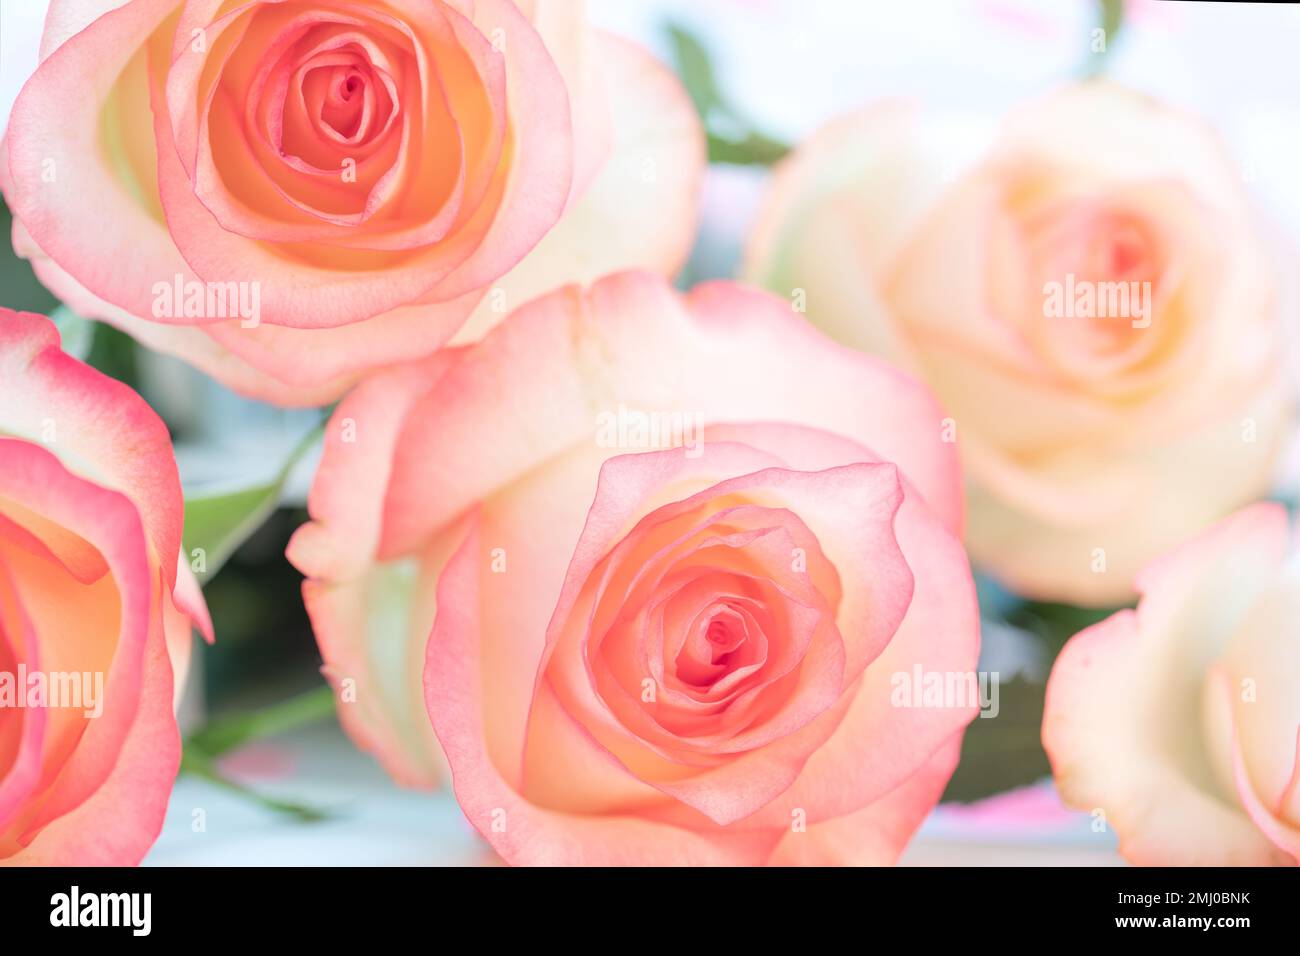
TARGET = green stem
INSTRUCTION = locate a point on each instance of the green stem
(225, 734)
(1110, 18)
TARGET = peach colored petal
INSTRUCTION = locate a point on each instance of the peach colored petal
(184, 612)
(64, 19)
(1051, 561)
(520, 832)
(1264, 656)
(43, 537)
(362, 612)
(110, 523)
(763, 768)
(371, 631)
(100, 428)
(311, 362)
(859, 185)
(24, 771)
(877, 834)
(346, 497)
(639, 210)
(1224, 706)
(119, 822)
(725, 354)
(877, 745)
(86, 214)
(306, 295)
(562, 25)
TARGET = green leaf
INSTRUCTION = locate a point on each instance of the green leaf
(217, 523)
(695, 70)
(732, 137)
(1110, 18)
(198, 765)
(220, 736)
(227, 733)
(754, 150)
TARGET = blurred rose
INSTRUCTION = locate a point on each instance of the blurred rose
(1181, 720)
(1089, 299)
(92, 599)
(288, 194)
(660, 584)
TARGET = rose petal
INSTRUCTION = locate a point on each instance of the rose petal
(1118, 739)
(730, 355)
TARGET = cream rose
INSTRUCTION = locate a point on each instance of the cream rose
(1180, 721)
(1090, 299)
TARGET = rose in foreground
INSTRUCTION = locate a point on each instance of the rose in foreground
(1181, 720)
(288, 194)
(1113, 371)
(659, 583)
(95, 609)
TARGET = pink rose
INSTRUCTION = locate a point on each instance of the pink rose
(1180, 721)
(288, 194)
(95, 609)
(661, 560)
(1113, 373)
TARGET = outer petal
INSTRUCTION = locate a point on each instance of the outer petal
(120, 821)
(87, 214)
(1264, 726)
(876, 834)
(100, 428)
(1043, 558)
(1124, 701)
(368, 616)
(79, 631)
(1110, 131)
(640, 210)
(565, 29)
(730, 354)
(64, 19)
(838, 211)
(184, 612)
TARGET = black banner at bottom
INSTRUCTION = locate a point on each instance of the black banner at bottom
(303, 906)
